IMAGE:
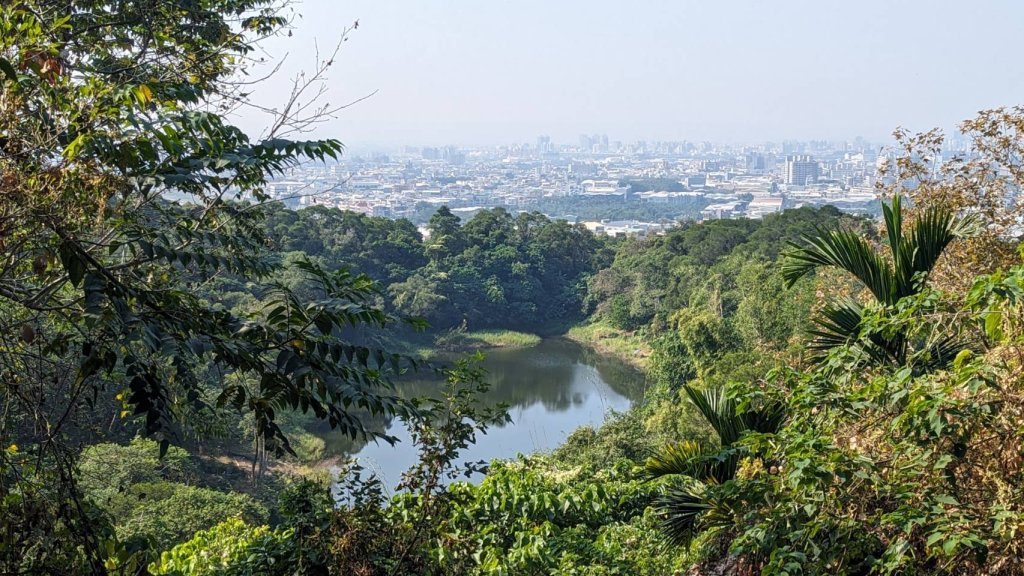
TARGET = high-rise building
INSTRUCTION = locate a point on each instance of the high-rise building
(543, 144)
(801, 170)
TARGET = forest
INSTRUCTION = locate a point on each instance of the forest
(827, 393)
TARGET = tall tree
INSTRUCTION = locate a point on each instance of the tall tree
(106, 109)
(446, 236)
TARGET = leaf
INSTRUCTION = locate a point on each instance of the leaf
(961, 358)
(75, 146)
(143, 94)
(8, 70)
(73, 263)
(993, 323)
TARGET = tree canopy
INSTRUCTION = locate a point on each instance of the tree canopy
(108, 110)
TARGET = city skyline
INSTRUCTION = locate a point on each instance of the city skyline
(738, 72)
(610, 187)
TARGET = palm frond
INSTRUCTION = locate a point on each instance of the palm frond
(681, 508)
(940, 355)
(932, 232)
(903, 250)
(766, 419)
(676, 458)
(836, 325)
(719, 411)
(699, 461)
(893, 216)
(840, 325)
(842, 249)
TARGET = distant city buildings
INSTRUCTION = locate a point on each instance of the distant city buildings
(676, 179)
(605, 188)
(801, 170)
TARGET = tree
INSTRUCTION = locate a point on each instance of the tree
(107, 112)
(446, 236)
(983, 180)
(912, 256)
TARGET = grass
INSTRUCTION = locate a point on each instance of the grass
(601, 336)
(502, 339)
(459, 341)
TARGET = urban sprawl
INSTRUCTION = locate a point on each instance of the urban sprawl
(610, 187)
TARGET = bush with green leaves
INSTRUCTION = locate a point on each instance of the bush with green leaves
(106, 470)
(166, 513)
(231, 548)
(537, 516)
(623, 436)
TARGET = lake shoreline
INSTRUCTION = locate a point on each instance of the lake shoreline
(622, 345)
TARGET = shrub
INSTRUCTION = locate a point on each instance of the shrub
(105, 470)
(231, 548)
(167, 513)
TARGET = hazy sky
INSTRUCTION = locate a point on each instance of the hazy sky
(491, 71)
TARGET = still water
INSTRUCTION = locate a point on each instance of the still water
(550, 389)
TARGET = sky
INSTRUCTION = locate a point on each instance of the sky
(488, 72)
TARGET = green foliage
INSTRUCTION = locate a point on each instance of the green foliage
(32, 543)
(231, 548)
(165, 513)
(106, 119)
(671, 363)
(106, 470)
(461, 340)
(525, 519)
(912, 256)
(877, 468)
(624, 316)
(387, 250)
(621, 438)
(721, 267)
(768, 316)
(690, 505)
(501, 271)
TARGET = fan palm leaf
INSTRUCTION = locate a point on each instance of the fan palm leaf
(719, 410)
(681, 508)
(767, 419)
(685, 505)
(913, 256)
(688, 458)
(841, 249)
(941, 354)
(703, 461)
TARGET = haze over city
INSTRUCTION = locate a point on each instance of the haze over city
(471, 73)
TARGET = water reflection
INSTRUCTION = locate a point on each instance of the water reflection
(550, 390)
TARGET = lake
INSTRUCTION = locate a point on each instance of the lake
(550, 389)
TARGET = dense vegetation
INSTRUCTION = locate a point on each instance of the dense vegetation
(522, 271)
(104, 108)
(829, 394)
